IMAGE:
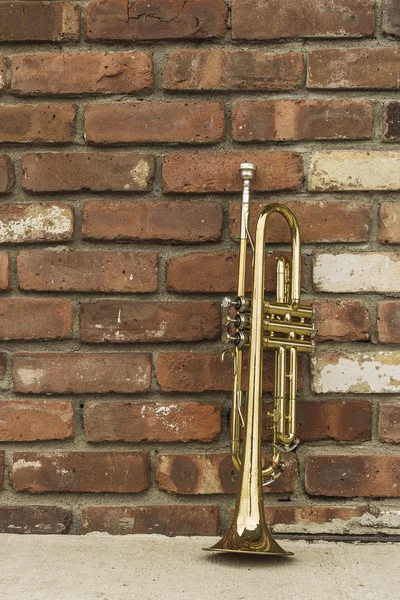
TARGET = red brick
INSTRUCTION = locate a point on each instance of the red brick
(215, 272)
(7, 176)
(260, 20)
(219, 69)
(122, 321)
(351, 475)
(282, 120)
(211, 172)
(81, 271)
(73, 373)
(82, 73)
(153, 20)
(319, 221)
(40, 123)
(389, 223)
(4, 270)
(391, 18)
(294, 515)
(38, 222)
(152, 422)
(146, 122)
(3, 72)
(39, 22)
(87, 171)
(27, 421)
(388, 322)
(212, 474)
(35, 319)
(1, 468)
(359, 68)
(341, 320)
(121, 472)
(391, 121)
(163, 520)
(389, 422)
(35, 519)
(185, 222)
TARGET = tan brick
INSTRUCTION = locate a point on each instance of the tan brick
(219, 69)
(153, 20)
(39, 22)
(5, 273)
(35, 519)
(152, 422)
(282, 120)
(74, 373)
(7, 175)
(275, 19)
(87, 271)
(341, 320)
(211, 172)
(319, 221)
(26, 421)
(389, 422)
(87, 171)
(389, 223)
(351, 475)
(185, 222)
(212, 474)
(39, 222)
(352, 272)
(122, 472)
(82, 73)
(292, 515)
(372, 372)
(40, 123)
(3, 72)
(123, 321)
(354, 68)
(163, 520)
(147, 122)
(388, 322)
(35, 319)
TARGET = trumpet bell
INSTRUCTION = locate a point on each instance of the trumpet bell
(233, 542)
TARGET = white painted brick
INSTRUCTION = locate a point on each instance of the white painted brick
(35, 222)
(356, 372)
(351, 171)
(357, 272)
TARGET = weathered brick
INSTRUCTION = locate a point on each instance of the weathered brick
(351, 475)
(185, 222)
(152, 422)
(212, 474)
(388, 322)
(319, 221)
(87, 171)
(3, 72)
(163, 520)
(146, 122)
(391, 121)
(39, 22)
(122, 472)
(39, 222)
(82, 271)
(354, 68)
(293, 515)
(153, 20)
(389, 223)
(341, 320)
(7, 176)
(211, 172)
(215, 272)
(74, 373)
(260, 20)
(219, 69)
(372, 372)
(27, 421)
(389, 422)
(1, 468)
(35, 519)
(39, 123)
(82, 73)
(122, 321)
(391, 17)
(3, 363)
(35, 319)
(282, 120)
(352, 272)
(5, 270)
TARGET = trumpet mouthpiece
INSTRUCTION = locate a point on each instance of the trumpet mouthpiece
(247, 170)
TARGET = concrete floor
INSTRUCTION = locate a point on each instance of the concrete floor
(103, 567)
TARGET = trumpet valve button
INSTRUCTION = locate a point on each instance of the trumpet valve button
(227, 302)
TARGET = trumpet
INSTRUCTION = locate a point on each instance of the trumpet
(285, 326)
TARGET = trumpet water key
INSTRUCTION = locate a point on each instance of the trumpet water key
(282, 325)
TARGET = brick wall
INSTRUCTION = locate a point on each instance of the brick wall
(122, 126)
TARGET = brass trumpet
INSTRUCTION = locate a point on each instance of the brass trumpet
(286, 327)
